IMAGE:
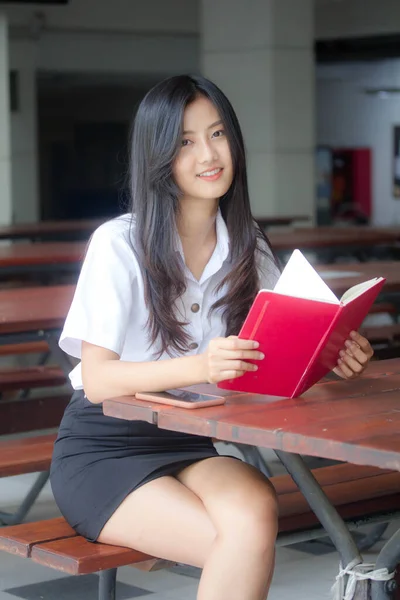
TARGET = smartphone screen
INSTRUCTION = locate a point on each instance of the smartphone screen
(185, 396)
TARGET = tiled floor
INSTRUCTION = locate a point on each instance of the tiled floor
(298, 575)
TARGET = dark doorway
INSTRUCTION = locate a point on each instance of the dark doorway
(83, 129)
(89, 173)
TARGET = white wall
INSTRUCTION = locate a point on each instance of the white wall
(341, 18)
(348, 117)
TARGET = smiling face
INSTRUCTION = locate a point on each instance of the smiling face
(203, 168)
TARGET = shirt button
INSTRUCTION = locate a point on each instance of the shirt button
(193, 346)
(195, 307)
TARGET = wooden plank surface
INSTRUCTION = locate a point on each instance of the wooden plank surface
(77, 556)
(45, 229)
(19, 539)
(30, 414)
(327, 237)
(356, 421)
(339, 494)
(43, 253)
(340, 277)
(27, 348)
(32, 309)
(31, 377)
(26, 455)
(277, 221)
(353, 510)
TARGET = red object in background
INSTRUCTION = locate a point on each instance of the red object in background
(351, 184)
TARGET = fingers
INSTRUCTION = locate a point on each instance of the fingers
(228, 358)
(355, 357)
(340, 373)
(362, 342)
(236, 365)
(349, 370)
(230, 369)
(354, 350)
(241, 355)
(230, 375)
(233, 342)
(233, 354)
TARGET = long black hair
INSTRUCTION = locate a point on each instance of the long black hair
(156, 140)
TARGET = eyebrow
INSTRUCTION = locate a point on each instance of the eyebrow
(219, 122)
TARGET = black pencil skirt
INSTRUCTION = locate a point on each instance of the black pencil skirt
(99, 460)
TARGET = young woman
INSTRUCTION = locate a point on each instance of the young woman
(162, 294)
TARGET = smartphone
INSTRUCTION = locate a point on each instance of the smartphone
(181, 398)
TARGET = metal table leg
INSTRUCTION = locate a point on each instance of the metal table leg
(22, 511)
(389, 558)
(326, 513)
(252, 456)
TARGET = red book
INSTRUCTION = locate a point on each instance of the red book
(301, 327)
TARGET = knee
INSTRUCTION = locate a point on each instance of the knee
(252, 516)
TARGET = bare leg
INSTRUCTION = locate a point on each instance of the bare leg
(242, 506)
(164, 519)
(228, 527)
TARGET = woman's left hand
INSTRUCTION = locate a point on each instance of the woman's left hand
(355, 357)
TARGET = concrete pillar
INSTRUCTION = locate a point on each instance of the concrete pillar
(260, 52)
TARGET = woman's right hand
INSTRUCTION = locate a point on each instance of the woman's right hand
(226, 358)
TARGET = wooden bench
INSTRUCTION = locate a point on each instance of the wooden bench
(359, 493)
(381, 333)
(26, 348)
(385, 339)
(30, 377)
(383, 307)
(22, 413)
(21, 456)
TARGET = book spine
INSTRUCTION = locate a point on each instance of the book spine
(318, 351)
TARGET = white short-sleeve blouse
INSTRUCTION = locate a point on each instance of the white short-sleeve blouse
(109, 310)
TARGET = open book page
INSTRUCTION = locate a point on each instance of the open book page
(358, 289)
(300, 279)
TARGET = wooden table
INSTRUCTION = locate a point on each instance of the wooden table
(341, 277)
(356, 421)
(330, 243)
(32, 315)
(41, 258)
(36, 314)
(50, 230)
(33, 311)
(266, 222)
(312, 238)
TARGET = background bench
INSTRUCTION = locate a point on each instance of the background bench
(27, 455)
